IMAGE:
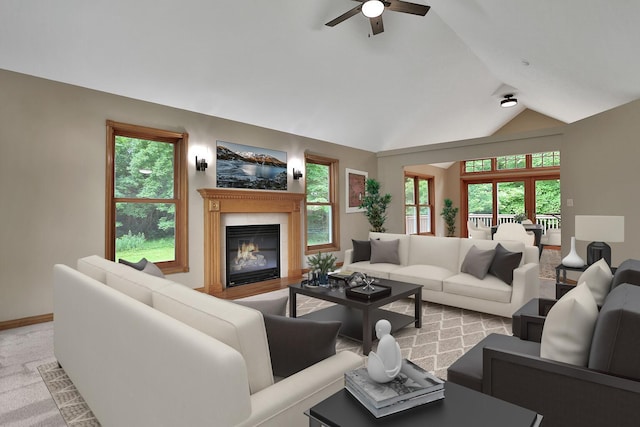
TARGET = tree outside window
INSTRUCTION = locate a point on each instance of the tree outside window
(320, 202)
(146, 196)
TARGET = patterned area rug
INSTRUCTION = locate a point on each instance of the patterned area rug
(73, 408)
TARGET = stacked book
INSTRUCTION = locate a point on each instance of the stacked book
(412, 387)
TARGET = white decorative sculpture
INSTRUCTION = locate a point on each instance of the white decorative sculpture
(384, 365)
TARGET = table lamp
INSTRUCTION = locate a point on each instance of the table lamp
(599, 229)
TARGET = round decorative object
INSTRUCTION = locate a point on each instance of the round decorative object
(573, 259)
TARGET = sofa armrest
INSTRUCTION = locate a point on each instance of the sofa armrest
(348, 256)
(526, 284)
(564, 394)
(528, 322)
(284, 402)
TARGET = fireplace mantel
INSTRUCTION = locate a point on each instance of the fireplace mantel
(222, 201)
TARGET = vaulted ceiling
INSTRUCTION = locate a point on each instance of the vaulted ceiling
(275, 64)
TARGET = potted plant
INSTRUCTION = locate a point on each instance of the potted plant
(375, 205)
(321, 264)
(449, 214)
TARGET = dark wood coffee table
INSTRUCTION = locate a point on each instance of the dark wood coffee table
(460, 407)
(358, 316)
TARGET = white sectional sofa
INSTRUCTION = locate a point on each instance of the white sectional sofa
(435, 263)
(118, 337)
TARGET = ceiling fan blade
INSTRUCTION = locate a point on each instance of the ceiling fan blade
(344, 16)
(413, 8)
(376, 25)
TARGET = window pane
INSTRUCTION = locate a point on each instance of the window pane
(425, 219)
(317, 183)
(518, 161)
(423, 193)
(319, 225)
(143, 169)
(480, 165)
(411, 220)
(510, 200)
(480, 202)
(546, 159)
(409, 193)
(145, 230)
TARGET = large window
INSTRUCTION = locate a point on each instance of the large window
(418, 204)
(146, 196)
(321, 204)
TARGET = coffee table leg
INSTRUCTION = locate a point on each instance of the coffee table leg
(292, 303)
(418, 307)
(367, 327)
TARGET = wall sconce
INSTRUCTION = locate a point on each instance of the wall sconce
(297, 174)
(201, 165)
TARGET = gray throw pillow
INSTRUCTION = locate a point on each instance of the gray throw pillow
(361, 250)
(137, 265)
(385, 251)
(504, 263)
(152, 269)
(477, 262)
(274, 306)
(296, 344)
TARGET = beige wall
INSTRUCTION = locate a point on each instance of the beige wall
(526, 121)
(52, 179)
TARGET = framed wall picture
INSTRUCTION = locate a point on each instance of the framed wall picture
(356, 181)
(244, 166)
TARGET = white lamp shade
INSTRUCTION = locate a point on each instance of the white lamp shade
(372, 8)
(596, 228)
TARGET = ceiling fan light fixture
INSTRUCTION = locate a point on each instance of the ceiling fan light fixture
(372, 8)
(508, 101)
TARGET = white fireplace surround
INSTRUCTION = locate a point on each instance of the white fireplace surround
(232, 219)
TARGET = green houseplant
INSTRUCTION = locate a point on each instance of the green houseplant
(322, 264)
(375, 205)
(449, 214)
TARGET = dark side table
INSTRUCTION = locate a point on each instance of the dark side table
(562, 287)
(460, 407)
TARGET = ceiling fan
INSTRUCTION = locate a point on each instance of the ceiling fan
(373, 9)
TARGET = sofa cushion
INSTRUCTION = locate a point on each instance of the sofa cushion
(361, 250)
(96, 267)
(490, 288)
(598, 277)
(429, 276)
(467, 370)
(616, 344)
(504, 263)
(385, 251)
(136, 284)
(568, 330)
(376, 270)
(438, 251)
(296, 344)
(627, 272)
(239, 327)
(477, 262)
(273, 306)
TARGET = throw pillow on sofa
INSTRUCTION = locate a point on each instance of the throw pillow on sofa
(503, 264)
(137, 265)
(477, 262)
(598, 277)
(273, 306)
(296, 344)
(385, 251)
(568, 329)
(361, 250)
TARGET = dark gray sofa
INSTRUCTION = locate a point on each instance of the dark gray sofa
(606, 393)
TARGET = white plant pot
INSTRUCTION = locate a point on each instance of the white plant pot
(573, 259)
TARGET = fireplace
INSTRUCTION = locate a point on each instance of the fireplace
(252, 253)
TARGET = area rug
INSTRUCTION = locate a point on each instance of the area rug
(446, 333)
(73, 408)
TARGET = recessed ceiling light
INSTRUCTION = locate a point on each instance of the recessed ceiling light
(372, 8)
(508, 101)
